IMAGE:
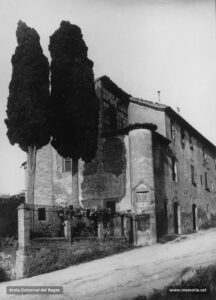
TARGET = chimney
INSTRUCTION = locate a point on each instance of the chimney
(178, 109)
(158, 96)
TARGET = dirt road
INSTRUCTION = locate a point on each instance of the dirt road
(126, 275)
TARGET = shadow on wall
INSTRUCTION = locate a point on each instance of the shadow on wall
(108, 181)
(161, 201)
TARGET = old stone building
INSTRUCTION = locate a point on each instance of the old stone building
(150, 161)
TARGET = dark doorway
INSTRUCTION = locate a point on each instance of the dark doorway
(111, 205)
(176, 217)
(131, 236)
(194, 216)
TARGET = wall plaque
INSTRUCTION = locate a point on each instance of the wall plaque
(143, 197)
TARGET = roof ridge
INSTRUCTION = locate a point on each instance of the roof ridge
(147, 101)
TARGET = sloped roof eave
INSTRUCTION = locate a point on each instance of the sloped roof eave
(169, 111)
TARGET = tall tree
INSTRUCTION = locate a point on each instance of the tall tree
(74, 106)
(28, 99)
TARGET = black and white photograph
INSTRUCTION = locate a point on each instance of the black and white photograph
(108, 149)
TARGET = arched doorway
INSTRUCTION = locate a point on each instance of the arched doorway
(194, 216)
(176, 216)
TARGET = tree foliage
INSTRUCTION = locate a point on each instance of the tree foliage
(73, 103)
(28, 92)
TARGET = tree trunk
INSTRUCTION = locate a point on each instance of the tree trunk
(31, 167)
(75, 183)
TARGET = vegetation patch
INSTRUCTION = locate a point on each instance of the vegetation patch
(8, 247)
(43, 259)
(202, 278)
(8, 244)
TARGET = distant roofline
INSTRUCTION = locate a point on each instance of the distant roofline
(171, 112)
(113, 87)
(185, 123)
(147, 103)
(153, 105)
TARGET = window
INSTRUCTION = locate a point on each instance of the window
(110, 118)
(66, 164)
(193, 181)
(41, 214)
(174, 169)
(206, 181)
(172, 130)
(122, 118)
(191, 143)
(212, 185)
(183, 139)
(204, 152)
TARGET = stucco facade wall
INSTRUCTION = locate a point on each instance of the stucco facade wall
(138, 113)
(142, 184)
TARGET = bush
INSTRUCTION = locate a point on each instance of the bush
(8, 243)
(206, 225)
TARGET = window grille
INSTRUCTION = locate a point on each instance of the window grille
(41, 214)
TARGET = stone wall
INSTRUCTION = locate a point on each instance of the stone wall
(137, 113)
(43, 178)
(184, 191)
(50, 180)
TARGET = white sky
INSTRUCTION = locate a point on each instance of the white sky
(142, 45)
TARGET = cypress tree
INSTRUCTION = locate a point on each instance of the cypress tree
(26, 121)
(73, 104)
